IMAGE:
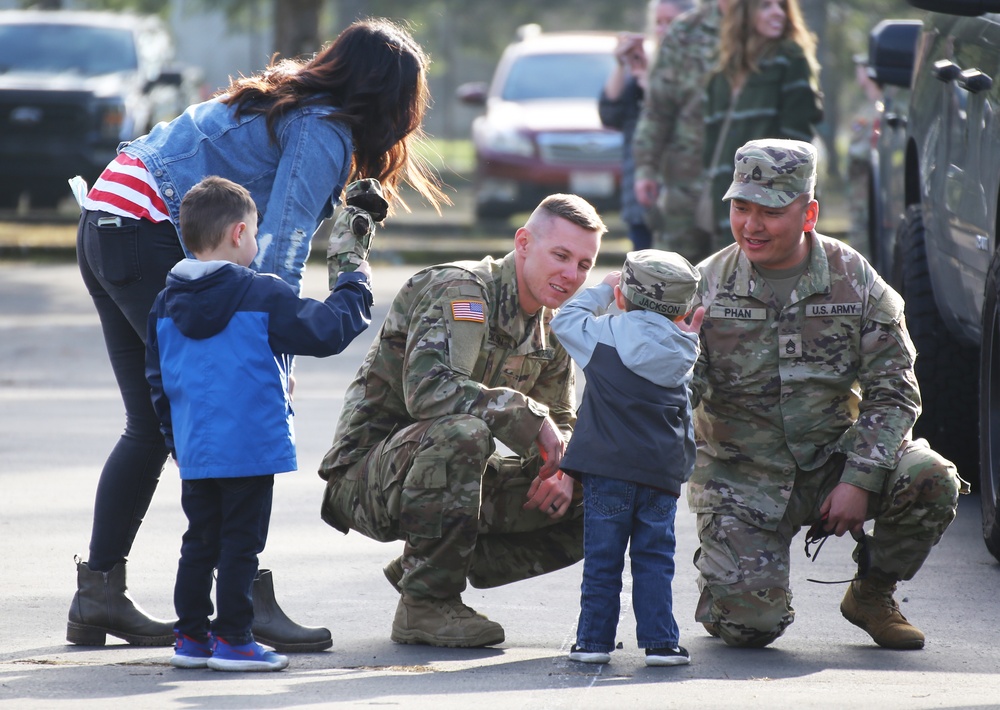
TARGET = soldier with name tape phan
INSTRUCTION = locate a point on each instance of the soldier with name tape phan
(466, 357)
(807, 401)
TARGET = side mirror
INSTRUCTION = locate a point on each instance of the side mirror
(892, 48)
(473, 92)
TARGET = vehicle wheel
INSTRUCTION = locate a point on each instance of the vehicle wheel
(946, 370)
(989, 410)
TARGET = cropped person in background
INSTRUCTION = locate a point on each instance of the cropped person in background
(765, 87)
(621, 101)
(668, 139)
(293, 135)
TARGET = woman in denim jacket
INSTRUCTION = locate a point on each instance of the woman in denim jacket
(293, 135)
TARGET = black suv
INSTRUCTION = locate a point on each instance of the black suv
(73, 85)
(942, 144)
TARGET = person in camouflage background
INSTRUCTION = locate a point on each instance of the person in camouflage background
(668, 139)
(807, 402)
(466, 356)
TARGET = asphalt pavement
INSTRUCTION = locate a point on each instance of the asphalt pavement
(60, 414)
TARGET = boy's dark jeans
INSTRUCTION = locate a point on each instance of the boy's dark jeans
(619, 515)
(227, 528)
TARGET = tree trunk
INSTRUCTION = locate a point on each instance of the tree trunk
(296, 27)
(350, 10)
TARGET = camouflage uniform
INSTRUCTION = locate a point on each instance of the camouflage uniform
(667, 144)
(795, 398)
(455, 365)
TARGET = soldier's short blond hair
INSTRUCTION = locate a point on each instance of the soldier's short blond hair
(572, 208)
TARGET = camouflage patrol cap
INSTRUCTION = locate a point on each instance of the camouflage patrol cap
(773, 172)
(661, 281)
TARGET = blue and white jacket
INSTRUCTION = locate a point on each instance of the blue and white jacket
(634, 423)
(295, 182)
(218, 351)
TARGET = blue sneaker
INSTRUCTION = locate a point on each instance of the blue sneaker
(190, 652)
(244, 657)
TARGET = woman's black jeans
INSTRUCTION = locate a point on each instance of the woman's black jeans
(124, 263)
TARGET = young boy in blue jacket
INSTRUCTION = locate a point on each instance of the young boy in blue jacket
(219, 349)
(633, 445)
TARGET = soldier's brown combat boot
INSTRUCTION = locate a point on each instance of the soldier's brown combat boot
(394, 573)
(443, 622)
(868, 604)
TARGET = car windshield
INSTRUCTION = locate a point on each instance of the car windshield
(51, 48)
(557, 76)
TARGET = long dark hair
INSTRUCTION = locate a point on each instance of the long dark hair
(375, 74)
(741, 48)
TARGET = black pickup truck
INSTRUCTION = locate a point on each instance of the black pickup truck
(934, 227)
(73, 85)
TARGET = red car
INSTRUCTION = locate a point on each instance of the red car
(540, 132)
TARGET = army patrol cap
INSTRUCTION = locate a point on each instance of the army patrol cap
(661, 281)
(773, 172)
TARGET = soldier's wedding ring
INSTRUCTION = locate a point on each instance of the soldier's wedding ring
(553, 507)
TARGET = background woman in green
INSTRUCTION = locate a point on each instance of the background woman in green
(766, 86)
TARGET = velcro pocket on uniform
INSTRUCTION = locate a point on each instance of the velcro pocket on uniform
(889, 307)
(715, 559)
(465, 315)
(422, 496)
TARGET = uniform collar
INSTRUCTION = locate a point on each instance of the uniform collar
(529, 332)
(816, 279)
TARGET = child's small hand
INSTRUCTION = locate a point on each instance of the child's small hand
(696, 318)
(613, 278)
(365, 268)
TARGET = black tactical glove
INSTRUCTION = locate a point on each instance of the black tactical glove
(367, 194)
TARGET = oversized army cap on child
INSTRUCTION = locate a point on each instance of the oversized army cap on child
(772, 172)
(661, 281)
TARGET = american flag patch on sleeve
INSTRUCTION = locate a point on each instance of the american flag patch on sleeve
(468, 311)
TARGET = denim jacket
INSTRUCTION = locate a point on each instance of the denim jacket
(295, 182)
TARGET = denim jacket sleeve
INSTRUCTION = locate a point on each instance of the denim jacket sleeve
(313, 167)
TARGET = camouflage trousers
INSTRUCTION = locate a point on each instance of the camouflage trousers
(744, 569)
(672, 221)
(440, 486)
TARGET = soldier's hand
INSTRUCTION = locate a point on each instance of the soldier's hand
(646, 191)
(845, 509)
(551, 446)
(354, 227)
(551, 496)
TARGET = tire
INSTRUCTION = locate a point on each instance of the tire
(989, 410)
(947, 372)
